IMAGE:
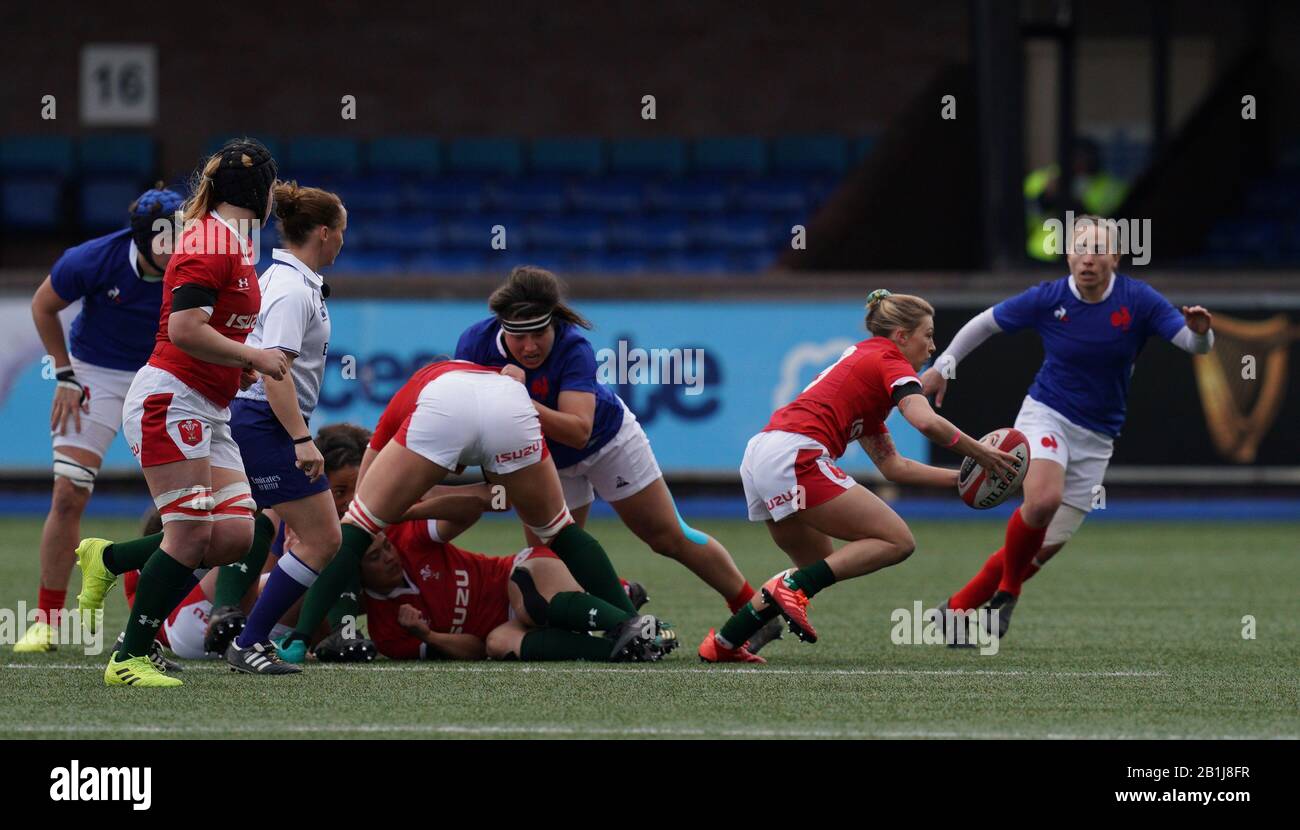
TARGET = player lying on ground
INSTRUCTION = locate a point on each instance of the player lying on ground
(791, 481)
(176, 415)
(425, 598)
(118, 279)
(1093, 324)
(447, 416)
(594, 438)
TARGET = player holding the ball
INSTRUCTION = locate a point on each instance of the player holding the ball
(791, 481)
(1093, 323)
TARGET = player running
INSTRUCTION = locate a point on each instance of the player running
(450, 415)
(176, 415)
(597, 444)
(1093, 324)
(791, 481)
(118, 279)
(425, 598)
(269, 419)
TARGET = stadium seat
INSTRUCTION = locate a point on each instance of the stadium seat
(688, 195)
(732, 231)
(604, 262)
(128, 154)
(371, 193)
(752, 262)
(105, 200)
(567, 156)
(367, 262)
(492, 156)
(656, 233)
(320, 155)
(31, 202)
(50, 154)
(656, 156)
(449, 193)
(405, 232)
(272, 145)
(774, 194)
(449, 262)
(475, 231)
(608, 195)
(810, 154)
(574, 232)
(694, 262)
(732, 155)
(407, 155)
(532, 194)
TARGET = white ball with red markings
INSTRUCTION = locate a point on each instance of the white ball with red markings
(981, 491)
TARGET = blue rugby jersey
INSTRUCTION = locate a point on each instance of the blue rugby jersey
(1090, 348)
(571, 366)
(119, 310)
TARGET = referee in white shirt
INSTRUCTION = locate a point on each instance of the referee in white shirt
(269, 421)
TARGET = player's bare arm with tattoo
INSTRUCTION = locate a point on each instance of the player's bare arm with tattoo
(880, 449)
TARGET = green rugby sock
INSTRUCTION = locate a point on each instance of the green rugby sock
(342, 570)
(347, 605)
(576, 611)
(162, 580)
(132, 554)
(813, 578)
(590, 566)
(234, 580)
(745, 623)
(555, 644)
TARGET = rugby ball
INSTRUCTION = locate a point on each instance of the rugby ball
(975, 486)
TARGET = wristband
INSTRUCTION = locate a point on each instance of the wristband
(302, 440)
(955, 438)
(64, 373)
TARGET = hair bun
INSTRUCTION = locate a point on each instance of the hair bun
(874, 298)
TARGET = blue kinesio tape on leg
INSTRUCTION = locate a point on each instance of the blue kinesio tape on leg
(691, 533)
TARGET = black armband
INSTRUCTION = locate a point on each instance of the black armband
(909, 388)
(192, 295)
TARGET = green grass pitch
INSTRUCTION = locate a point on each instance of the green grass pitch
(1133, 631)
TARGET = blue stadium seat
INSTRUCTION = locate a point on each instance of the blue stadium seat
(458, 194)
(321, 155)
(659, 156)
(584, 232)
(475, 231)
(1274, 197)
(688, 195)
(608, 195)
(604, 262)
(774, 194)
(549, 258)
(131, 154)
(567, 156)
(368, 262)
(733, 231)
(406, 155)
(653, 233)
(810, 154)
(533, 194)
(752, 262)
(104, 201)
(371, 193)
(693, 262)
(738, 154)
(492, 156)
(404, 232)
(31, 202)
(449, 262)
(48, 154)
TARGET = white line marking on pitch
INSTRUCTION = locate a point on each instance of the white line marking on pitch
(479, 669)
(530, 729)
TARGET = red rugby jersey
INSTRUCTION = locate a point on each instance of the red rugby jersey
(232, 276)
(458, 592)
(849, 399)
(403, 403)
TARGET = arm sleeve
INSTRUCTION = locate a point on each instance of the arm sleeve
(1018, 312)
(1161, 316)
(209, 271)
(579, 371)
(977, 329)
(1190, 341)
(465, 346)
(285, 321)
(69, 279)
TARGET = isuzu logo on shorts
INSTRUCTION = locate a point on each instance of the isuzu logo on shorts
(515, 455)
(191, 431)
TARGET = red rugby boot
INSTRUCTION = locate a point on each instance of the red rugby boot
(712, 652)
(793, 605)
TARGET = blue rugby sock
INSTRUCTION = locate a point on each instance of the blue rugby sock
(289, 580)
